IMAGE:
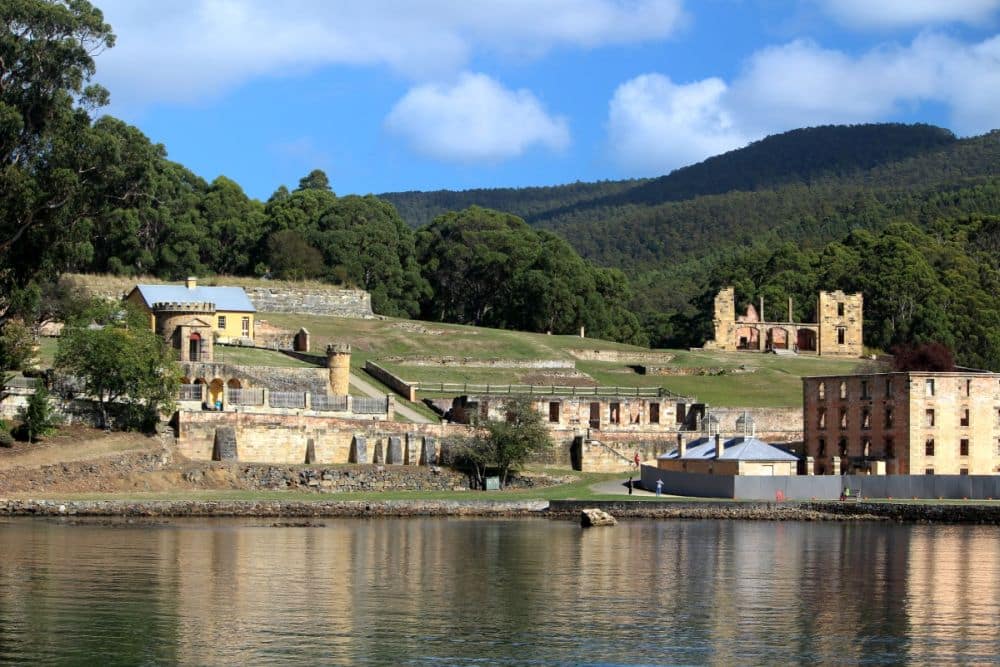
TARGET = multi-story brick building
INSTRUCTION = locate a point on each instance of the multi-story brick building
(903, 423)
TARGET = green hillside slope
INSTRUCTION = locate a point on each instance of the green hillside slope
(795, 157)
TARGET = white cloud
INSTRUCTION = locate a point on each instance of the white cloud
(910, 13)
(653, 122)
(185, 50)
(476, 119)
(801, 84)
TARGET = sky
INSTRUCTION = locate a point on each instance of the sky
(392, 95)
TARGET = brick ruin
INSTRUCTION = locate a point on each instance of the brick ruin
(837, 333)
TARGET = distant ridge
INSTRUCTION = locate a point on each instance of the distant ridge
(799, 156)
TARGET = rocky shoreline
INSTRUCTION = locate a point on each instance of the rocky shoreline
(566, 509)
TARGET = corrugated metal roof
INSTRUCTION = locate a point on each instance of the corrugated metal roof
(224, 298)
(734, 449)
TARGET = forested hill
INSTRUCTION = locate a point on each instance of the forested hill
(420, 208)
(797, 157)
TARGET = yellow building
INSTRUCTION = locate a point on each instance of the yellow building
(741, 455)
(193, 318)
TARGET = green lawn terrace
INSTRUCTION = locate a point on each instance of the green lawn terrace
(723, 379)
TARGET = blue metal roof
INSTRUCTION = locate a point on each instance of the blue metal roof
(734, 449)
(224, 298)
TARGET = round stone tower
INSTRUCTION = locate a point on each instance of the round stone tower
(338, 360)
(187, 326)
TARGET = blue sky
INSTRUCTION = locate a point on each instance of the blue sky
(389, 95)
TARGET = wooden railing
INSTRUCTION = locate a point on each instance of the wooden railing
(547, 390)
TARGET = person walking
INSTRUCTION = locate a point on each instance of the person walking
(659, 487)
(629, 485)
(636, 459)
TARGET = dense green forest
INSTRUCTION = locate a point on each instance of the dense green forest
(906, 214)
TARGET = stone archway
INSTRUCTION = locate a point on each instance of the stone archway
(194, 347)
(777, 338)
(215, 391)
(805, 339)
(747, 338)
(233, 383)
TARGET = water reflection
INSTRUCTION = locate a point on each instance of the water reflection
(529, 591)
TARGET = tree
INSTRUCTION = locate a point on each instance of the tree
(514, 440)
(290, 257)
(124, 365)
(933, 357)
(51, 158)
(17, 345)
(367, 244)
(315, 180)
(503, 445)
(38, 419)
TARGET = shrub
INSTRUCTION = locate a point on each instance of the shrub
(38, 418)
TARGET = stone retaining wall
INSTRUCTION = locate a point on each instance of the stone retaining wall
(285, 439)
(681, 371)
(276, 378)
(312, 301)
(273, 508)
(394, 382)
(466, 362)
(622, 356)
(272, 297)
(556, 509)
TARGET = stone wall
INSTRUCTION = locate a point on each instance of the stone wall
(694, 370)
(285, 439)
(266, 296)
(394, 382)
(772, 424)
(314, 380)
(466, 362)
(312, 301)
(623, 357)
(844, 313)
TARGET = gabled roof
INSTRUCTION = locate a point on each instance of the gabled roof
(224, 298)
(734, 449)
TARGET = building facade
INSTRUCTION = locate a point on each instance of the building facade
(192, 318)
(909, 423)
(838, 331)
(720, 455)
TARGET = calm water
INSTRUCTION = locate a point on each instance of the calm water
(447, 591)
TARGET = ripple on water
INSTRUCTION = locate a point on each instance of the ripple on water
(469, 591)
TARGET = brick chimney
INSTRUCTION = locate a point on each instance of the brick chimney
(681, 445)
(718, 446)
(191, 282)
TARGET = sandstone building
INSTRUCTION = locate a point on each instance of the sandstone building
(903, 423)
(715, 454)
(193, 318)
(837, 333)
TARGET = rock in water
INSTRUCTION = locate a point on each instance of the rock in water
(594, 517)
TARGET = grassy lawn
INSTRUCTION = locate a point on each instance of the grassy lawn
(251, 356)
(47, 351)
(371, 339)
(774, 381)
